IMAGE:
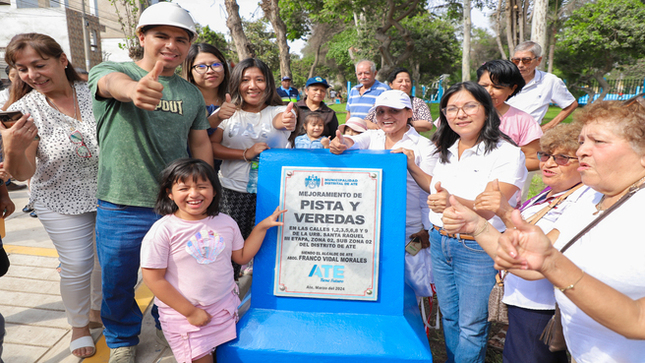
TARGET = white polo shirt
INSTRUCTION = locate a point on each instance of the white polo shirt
(542, 90)
(466, 177)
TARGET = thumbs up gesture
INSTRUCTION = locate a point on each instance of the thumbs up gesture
(227, 109)
(438, 201)
(492, 200)
(147, 93)
(460, 219)
(337, 145)
(289, 118)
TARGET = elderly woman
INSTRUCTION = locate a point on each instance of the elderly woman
(599, 280)
(315, 91)
(531, 303)
(400, 79)
(393, 112)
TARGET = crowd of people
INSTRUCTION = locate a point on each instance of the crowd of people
(138, 167)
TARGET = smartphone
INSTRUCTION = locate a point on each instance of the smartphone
(413, 247)
(8, 118)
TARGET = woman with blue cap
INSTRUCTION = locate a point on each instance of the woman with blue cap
(315, 92)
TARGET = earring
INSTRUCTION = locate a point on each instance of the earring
(65, 67)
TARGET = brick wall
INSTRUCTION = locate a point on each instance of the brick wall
(75, 31)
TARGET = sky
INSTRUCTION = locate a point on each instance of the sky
(213, 14)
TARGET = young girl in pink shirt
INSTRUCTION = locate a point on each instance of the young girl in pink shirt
(185, 261)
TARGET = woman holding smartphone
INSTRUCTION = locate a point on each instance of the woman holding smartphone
(55, 145)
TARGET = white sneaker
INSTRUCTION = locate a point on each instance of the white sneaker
(123, 354)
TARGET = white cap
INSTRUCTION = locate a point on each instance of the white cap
(394, 99)
(169, 14)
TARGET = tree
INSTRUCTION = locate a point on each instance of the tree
(206, 35)
(598, 37)
(234, 24)
(272, 12)
(465, 59)
(127, 13)
(539, 24)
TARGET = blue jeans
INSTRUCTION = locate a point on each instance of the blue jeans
(119, 232)
(464, 276)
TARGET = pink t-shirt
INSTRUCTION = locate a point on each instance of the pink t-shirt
(520, 126)
(195, 254)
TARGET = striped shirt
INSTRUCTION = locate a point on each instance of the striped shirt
(359, 105)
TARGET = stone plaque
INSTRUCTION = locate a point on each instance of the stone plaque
(328, 247)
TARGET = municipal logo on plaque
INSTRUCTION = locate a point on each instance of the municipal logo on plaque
(328, 247)
(312, 182)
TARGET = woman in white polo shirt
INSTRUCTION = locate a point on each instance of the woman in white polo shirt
(472, 153)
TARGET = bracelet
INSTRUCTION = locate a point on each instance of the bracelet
(244, 155)
(572, 285)
(482, 230)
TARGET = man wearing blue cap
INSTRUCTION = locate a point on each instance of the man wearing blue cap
(286, 92)
(315, 91)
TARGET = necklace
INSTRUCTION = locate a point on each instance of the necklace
(51, 101)
(600, 208)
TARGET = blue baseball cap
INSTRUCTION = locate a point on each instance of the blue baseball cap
(317, 80)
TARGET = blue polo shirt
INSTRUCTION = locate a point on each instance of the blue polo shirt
(359, 105)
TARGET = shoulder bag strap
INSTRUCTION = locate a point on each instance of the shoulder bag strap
(608, 211)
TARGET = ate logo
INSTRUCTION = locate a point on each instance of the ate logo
(328, 271)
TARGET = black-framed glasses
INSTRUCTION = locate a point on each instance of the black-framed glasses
(527, 60)
(81, 148)
(203, 68)
(469, 109)
(559, 159)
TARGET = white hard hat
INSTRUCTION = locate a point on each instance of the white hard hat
(165, 13)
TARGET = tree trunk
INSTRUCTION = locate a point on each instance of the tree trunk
(603, 83)
(538, 25)
(416, 76)
(498, 29)
(552, 49)
(465, 59)
(234, 24)
(272, 12)
(392, 19)
(510, 27)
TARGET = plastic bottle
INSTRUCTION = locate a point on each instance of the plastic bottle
(252, 186)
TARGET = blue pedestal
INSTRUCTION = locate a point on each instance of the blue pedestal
(281, 329)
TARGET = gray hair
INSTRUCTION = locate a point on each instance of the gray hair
(529, 46)
(372, 65)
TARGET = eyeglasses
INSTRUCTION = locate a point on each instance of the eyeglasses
(203, 68)
(81, 149)
(638, 98)
(561, 160)
(526, 60)
(469, 109)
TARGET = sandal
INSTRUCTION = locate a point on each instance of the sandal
(497, 341)
(82, 342)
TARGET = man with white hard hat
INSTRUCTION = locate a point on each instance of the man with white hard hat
(146, 118)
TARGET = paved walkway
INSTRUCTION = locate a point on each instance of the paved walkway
(37, 328)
